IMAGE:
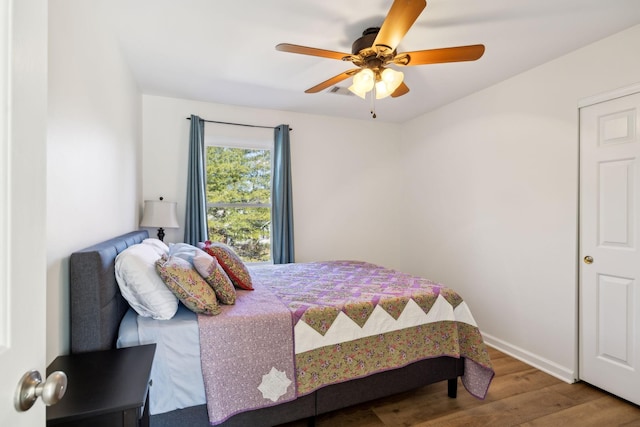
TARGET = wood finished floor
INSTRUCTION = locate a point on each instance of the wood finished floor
(519, 396)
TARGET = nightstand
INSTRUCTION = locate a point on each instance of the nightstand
(105, 388)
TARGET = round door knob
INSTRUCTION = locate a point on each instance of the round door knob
(588, 260)
(31, 387)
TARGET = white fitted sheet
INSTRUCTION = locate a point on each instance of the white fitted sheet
(176, 375)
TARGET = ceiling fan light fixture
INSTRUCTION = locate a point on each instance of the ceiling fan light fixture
(361, 93)
(376, 49)
(363, 82)
(389, 81)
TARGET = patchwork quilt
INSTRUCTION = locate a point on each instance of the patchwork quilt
(352, 319)
(320, 323)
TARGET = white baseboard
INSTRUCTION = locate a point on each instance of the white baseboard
(562, 373)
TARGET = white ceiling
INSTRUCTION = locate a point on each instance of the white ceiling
(223, 51)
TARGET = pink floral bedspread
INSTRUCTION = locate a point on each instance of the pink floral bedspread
(321, 294)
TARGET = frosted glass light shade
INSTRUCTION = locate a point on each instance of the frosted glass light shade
(362, 82)
(385, 82)
(388, 83)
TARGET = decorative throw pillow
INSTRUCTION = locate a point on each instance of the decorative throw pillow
(185, 282)
(231, 263)
(140, 284)
(214, 274)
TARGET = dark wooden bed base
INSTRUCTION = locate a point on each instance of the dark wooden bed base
(97, 309)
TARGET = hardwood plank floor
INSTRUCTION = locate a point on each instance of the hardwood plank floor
(519, 396)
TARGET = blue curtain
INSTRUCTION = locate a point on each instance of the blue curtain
(282, 199)
(195, 227)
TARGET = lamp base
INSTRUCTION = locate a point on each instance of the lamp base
(161, 234)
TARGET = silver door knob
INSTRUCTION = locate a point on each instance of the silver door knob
(588, 260)
(31, 387)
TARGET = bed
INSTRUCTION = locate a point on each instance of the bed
(98, 310)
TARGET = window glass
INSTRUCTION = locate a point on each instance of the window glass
(239, 200)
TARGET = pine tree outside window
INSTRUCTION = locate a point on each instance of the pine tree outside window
(239, 198)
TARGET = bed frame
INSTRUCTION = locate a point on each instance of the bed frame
(97, 307)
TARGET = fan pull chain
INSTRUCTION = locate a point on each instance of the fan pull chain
(373, 103)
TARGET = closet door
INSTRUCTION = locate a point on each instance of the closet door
(609, 289)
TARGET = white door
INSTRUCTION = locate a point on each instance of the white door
(23, 117)
(609, 246)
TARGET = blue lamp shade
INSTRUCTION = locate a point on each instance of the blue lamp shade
(161, 214)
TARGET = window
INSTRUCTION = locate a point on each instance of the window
(239, 197)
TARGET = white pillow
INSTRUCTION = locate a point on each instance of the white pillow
(141, 285)
(158, 244)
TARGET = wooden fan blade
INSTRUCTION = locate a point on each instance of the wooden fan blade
(447, 54)
(332, 81)
(294, 48)
(401, 16)
(403, 89)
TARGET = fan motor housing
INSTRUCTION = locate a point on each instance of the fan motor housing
(366, 41)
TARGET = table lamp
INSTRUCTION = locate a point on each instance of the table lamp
(161, 214)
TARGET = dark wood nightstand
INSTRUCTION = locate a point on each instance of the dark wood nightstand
(105, 388)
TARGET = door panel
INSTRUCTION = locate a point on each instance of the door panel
(609, 297)
(23, 121)
(614, 313)
(615, 220)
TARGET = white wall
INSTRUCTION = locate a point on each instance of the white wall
(491, 187)
(93, 154)
(344, 175)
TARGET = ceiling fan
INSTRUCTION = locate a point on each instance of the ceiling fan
(376, 50)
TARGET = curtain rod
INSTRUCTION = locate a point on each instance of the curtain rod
(238, 124)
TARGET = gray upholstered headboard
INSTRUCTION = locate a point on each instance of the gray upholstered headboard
(97, 307)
